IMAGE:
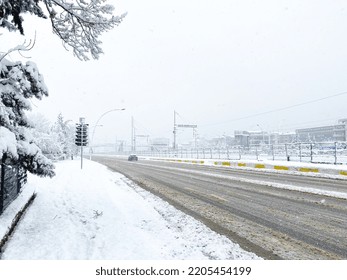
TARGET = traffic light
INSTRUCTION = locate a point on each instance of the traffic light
(81, 135)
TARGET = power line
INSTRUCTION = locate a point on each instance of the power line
(280, 109)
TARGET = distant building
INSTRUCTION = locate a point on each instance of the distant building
(251, 138)
(241, 138)
(159, 144)
(222, 142)
(259, 138)
(328, 133)
(282, 138)
(337, 132)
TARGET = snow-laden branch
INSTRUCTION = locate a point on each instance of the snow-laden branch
(80, 23)
(77, 23)
(22, 47)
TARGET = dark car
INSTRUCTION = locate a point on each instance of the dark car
(132, 158)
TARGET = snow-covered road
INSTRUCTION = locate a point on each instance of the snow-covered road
(273, 214)
(94, 214)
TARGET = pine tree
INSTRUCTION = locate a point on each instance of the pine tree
(18, 84)
(78, 24)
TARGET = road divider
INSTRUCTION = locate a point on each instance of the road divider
(292, 166)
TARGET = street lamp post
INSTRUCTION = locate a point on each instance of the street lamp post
(90, 148)
(262, 131)
(97, 122)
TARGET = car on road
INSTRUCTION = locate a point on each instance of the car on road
(133, 157)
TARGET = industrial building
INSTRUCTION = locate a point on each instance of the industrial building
(251, 138)
(328, 133)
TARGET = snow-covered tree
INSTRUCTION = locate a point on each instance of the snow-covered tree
(18, 84)
(55, 140)
(44, 137)
(78, 23)
(65, 134)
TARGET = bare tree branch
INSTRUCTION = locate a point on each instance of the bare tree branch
(20, 48)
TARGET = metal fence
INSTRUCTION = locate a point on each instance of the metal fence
(12, 179)
(331, 152)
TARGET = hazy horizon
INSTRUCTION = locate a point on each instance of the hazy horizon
(224, 66)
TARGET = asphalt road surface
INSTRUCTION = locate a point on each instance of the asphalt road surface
(275, 215)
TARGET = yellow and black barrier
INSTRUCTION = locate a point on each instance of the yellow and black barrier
(263, 166)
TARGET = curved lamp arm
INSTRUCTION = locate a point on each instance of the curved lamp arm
(97, 122)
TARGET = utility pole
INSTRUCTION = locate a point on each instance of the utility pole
(132, 135)
(262, 131)
(193, 126)
(195, 135)
(174, 131)
(143, 136)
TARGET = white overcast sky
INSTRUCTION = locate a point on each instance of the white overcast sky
(215, 62)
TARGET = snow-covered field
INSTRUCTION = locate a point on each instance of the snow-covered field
(94, 213)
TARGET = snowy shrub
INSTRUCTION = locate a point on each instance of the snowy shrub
(18, 83)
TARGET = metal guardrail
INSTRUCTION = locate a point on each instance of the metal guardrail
(329, 152)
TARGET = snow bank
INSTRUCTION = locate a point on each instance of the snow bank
(98, 214)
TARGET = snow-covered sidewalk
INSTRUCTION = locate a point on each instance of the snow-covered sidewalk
(94, 213)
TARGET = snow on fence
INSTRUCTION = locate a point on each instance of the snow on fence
(331, 153)
(12, 179)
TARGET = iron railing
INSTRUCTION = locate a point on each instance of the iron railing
(13, 177)
(328, 152)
